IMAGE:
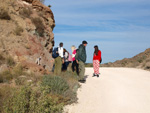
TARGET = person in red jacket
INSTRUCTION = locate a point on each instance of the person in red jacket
(96, 61)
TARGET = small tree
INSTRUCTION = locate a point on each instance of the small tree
(49, 6)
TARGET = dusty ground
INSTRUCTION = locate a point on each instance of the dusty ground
(117, 90)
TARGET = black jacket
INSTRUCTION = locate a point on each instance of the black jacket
(81, 53)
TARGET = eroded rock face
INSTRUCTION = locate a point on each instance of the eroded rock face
(30, 36)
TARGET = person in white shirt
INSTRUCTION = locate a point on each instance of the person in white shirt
(59, 60)
(60, 50)
(66, 60)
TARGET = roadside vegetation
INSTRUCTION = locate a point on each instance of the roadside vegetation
(23, 92)
(88, 65)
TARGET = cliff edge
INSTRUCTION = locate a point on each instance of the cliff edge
(26, 34)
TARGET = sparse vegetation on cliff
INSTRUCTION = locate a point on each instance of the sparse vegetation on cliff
(39, 26)
(4, 14)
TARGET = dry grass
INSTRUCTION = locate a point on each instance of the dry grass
(25, 12)
(5, 91)
(10, 61)
(18, 31)
(39, 26)
(4, 14)
(2, 59)
(4, 9)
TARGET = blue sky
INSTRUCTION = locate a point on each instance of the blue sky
(121, 28)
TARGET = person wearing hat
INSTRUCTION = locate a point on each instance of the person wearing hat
(81, 59)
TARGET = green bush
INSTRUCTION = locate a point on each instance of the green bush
(5, 92)
(49, 6)
(57, 84)
(72, 79)
(64, 86)
(28, 100)
(39, 26)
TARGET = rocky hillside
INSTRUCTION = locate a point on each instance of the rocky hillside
(26, 34)
(141, 60)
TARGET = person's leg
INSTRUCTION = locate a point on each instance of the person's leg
(77, 67)
(73, 64)
(67, 63)
(97, 68)
(59, 65)
(94, 67)
(81, 70)
(56, 66)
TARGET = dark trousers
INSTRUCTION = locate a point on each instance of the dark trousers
(75, 66)
(64, 66)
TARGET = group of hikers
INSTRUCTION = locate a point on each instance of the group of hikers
(78, 59)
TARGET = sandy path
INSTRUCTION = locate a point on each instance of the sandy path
(117, 90)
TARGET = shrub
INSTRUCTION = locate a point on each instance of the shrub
(72, 79)
(4, 14)
(18, 30)
(25, 12)
(6, 76)
(20, 80)
(28, 100)
(49, 6)
(57, 84)
(18, 71)
(39, 26)
(5, 92)
(64, 86)
(10, 61)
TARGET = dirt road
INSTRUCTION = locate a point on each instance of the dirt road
(117, 90)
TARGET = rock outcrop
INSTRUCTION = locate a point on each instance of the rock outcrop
(28, 35)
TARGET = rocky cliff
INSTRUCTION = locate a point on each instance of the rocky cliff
(26, 33)
(141, 60)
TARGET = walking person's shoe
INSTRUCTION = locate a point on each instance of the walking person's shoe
(94, 75)
(82, 81)
(97, 75)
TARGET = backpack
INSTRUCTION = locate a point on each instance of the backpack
(54, 52)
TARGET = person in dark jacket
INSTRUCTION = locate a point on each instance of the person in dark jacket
(81, 59)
